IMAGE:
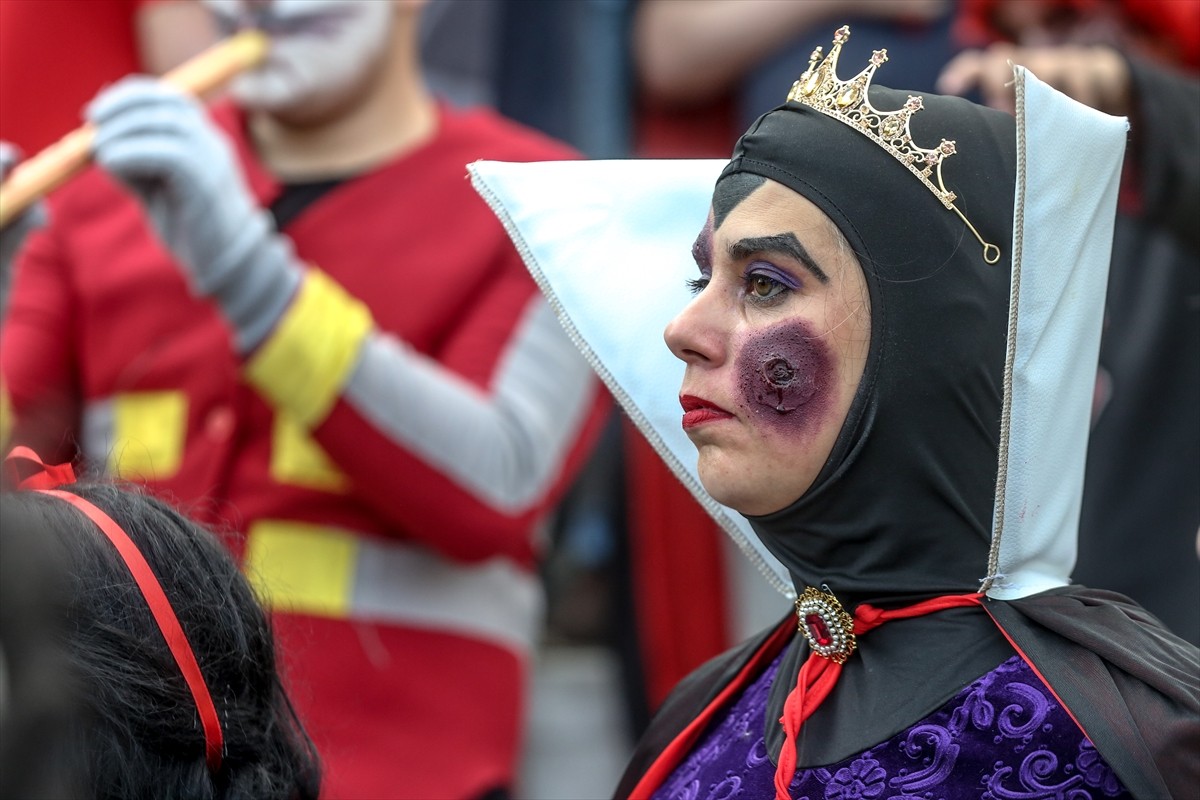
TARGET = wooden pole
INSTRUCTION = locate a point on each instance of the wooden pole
(53, 166)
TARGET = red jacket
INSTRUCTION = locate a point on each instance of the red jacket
(347, 523)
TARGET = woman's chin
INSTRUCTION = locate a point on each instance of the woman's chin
(746, 500)
(750, 489)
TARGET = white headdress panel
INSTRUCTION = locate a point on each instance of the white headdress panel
(609, 243)
(1068, 167)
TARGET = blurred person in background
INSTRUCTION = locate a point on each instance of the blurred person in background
(137, 661)
(293, 318)
(691, 53)
(1140, 58)
(51, 40)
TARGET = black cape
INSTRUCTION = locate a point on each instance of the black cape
(1130, 683)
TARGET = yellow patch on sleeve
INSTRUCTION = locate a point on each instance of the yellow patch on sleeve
(306, 361)
(298, 460)
(149, 430)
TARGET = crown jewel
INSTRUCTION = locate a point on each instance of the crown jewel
(846, 101)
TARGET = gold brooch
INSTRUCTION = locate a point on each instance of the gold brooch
(825, 624)
(846, 101)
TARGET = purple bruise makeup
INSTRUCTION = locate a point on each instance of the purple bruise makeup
(784, 373)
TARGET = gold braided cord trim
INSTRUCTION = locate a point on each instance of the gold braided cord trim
(305, 363)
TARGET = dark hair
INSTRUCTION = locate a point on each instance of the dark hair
(138, 733)
(36, 703)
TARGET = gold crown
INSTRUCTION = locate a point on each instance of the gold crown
(847, 101)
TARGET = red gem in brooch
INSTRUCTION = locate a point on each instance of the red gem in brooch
(817, 630)
(825, 624)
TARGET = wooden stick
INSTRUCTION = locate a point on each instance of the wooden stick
(53, 166)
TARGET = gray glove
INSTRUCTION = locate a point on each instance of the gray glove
(161, 144)
(13, 234)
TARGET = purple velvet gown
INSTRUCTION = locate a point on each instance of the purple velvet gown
(1004, 737)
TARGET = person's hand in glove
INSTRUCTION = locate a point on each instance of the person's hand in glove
(161, 144)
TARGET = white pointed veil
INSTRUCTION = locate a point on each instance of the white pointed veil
(609, 243)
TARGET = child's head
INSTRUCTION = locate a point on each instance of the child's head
(139, 730)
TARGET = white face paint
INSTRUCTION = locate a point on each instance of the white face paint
(319, 48)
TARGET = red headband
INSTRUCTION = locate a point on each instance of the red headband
(42, 480)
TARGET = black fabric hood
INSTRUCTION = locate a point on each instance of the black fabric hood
(903, 507)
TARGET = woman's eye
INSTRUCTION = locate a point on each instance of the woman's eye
(762, 287)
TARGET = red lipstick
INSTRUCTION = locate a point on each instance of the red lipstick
(697, 411)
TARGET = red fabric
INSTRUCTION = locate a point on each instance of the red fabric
(709, 131)
(819, 675)
(28, 471)
(1169, 28)
(451, 730)
(54, 57)
(98, 280)
(97, 308)
(1175, 21)
(675, 548)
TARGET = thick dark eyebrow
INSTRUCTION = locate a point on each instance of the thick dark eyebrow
(784, 243)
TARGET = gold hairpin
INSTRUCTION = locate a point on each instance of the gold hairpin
(846, 101)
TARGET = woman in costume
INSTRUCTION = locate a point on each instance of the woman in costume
(887, 373)
(158, 678)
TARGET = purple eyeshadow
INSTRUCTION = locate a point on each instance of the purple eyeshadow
(784, 373)
(772, 271)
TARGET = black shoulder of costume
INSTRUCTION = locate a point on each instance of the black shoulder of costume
(1132, 685)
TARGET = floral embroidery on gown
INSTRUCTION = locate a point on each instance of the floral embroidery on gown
(1004, 737)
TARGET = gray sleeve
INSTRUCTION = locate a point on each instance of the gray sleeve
(255, 282)
(505, 446)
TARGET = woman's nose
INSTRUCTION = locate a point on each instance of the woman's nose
(694, 335)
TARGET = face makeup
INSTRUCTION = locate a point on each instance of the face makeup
(784, 373)
(319, 48)
(777, 335)
(697, 411)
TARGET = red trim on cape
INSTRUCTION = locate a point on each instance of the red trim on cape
(681, 745)
(1037, 672)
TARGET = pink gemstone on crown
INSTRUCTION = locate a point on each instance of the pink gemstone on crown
(841, 34)
(947, 148)
(878, 57)
(914, 103)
